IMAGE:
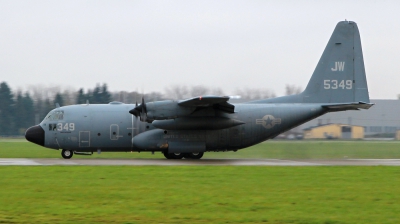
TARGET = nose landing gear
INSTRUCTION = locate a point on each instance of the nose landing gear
(67, 154)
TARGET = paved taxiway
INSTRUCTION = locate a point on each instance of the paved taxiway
(202, 162)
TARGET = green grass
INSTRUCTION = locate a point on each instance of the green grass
(190, 194)
(270, 149)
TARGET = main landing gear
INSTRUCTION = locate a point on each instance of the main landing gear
(67, 154)
(193, 155)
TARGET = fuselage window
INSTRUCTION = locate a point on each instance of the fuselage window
(56, 115)
(52, 127)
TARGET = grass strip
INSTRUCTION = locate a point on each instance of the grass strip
(269, 149)
(189, 194)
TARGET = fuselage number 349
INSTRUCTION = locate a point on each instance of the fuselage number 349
(66, 127)
(338, 84)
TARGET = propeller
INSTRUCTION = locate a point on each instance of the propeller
(140, 111)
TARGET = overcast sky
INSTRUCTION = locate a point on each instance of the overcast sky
(150, 45)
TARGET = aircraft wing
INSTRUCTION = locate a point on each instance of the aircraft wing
(217, 102)
(347, 106)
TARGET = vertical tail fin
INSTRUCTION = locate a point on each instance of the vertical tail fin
(340, 74)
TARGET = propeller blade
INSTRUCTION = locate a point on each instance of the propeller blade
(144, 109)
(143, 113)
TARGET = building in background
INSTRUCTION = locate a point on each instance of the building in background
(334, 131)
(381, 120)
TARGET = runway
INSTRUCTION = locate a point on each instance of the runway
(202, 162)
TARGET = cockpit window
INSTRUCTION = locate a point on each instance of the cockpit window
(55, 115)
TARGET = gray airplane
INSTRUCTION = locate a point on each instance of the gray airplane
(188, 128)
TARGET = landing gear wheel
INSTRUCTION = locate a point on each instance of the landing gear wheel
(166, 155)
(194, 155)
(67, 154)
(173, 155)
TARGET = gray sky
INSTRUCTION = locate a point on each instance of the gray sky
(150, 45)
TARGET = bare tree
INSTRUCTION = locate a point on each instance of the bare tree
(153, 96)
(292, 89)
(40, 92)
(216, 92)
(254, 94)
(127, 97)
(176, 92)
(199, 91)
(133, 97)
(69, 96)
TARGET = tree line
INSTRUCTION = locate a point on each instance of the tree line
(20, 110)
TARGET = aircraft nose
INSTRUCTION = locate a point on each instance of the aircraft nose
(35, 134)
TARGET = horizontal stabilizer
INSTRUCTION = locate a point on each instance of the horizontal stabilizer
(347, 106)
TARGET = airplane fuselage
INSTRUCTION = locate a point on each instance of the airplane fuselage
(109, 127)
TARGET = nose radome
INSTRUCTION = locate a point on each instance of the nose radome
(35, 134)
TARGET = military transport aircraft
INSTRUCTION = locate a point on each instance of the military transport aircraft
(188, 128)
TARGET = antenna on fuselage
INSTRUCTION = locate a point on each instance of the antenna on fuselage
(57, 105)
(87, 102)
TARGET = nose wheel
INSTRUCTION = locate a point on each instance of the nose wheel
(67, 154)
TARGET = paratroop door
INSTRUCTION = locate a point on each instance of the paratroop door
(84, 139)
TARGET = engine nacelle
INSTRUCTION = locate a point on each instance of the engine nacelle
(167, 109)
(197, 123)
(160, 110)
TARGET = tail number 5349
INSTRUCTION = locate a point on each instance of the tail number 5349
(338, 84)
